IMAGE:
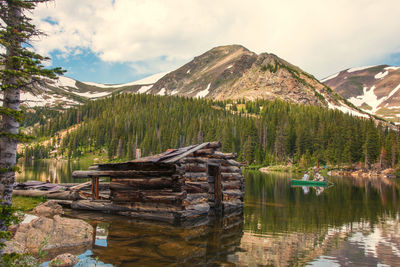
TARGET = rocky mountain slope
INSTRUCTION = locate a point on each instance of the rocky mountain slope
(375, 89)
(66, 92)
(224, 72)
(234, 72)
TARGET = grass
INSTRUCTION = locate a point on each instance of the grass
(26, 203)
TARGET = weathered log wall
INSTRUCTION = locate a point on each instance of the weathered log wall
(176, 191)
(198, 180)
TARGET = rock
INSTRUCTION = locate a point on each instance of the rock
(50, 234)
(64, 260)
(48, 209)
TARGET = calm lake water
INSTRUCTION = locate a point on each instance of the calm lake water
(353, 223)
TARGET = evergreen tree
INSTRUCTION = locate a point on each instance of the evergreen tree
(21, 69)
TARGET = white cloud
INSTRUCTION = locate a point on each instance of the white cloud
(321, 37)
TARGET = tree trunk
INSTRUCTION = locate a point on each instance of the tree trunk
(9, 125)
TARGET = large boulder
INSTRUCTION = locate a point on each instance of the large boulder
(50, 234)
(48, 209)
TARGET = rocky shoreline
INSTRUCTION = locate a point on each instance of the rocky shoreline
(388, 173)
(44, 233)
(383, 174)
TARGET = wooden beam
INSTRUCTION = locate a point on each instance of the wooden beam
(96, 189)
(181, 156)
(121, 174)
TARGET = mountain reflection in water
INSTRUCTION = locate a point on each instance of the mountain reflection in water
(353, 223)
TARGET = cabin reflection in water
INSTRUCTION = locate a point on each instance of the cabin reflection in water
(128, 242)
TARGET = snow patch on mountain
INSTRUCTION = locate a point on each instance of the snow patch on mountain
(148, 80)
(371, 99)
(381, 75)
(392, 68)
(144, 89)
(64, 81)
(204, 92)
(162, 91)
(345, 109)
(32, 100)
(360, 68)
(91, 95)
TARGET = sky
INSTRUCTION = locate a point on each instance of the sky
(118, 41)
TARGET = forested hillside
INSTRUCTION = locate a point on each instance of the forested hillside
(260, 131)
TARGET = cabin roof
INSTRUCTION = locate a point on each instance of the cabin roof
(170, 156)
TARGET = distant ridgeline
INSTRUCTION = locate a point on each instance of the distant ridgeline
(261, 132)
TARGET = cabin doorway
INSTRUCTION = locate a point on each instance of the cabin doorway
(214, 171)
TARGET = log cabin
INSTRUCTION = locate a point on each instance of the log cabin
(175, 186)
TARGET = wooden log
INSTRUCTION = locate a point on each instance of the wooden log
(215, 145)
(168, 217)
(196, 187)
(138, 166)
(203, 207)
(226, 155)
(187, 153)
(149, 196)
(193, 160)
(231, 176)
(148, 207)
(192, 199)
(232, 194)
(233, 169)
(195, 174)
(65, 195)
(233, 163)
(204, 151)
(80, 186)
(121, 174)
(195, 167)
(135, 184)
(231, 185)
(105, 206)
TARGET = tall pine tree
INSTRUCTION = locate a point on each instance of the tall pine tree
(21, 69)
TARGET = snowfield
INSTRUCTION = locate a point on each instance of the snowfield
(371, 99)
(152, 79)
(381, 75)
(204, 92)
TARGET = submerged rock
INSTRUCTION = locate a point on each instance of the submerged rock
(64, 260)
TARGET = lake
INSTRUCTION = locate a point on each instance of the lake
(353, 223)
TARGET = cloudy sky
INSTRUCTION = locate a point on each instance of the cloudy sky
(115, 41)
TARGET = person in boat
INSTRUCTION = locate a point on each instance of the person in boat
(318, 177)
(306, 176)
